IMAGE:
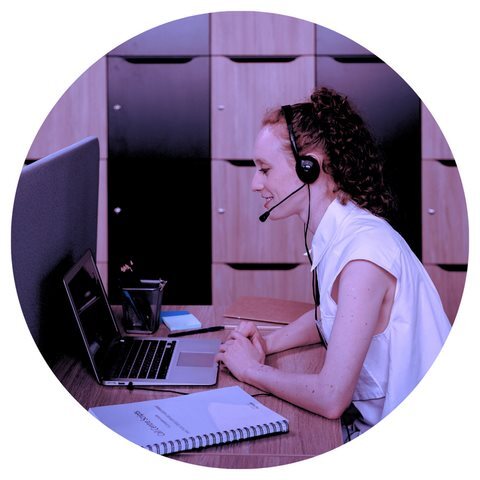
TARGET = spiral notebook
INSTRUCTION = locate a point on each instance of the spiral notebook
(196, 420)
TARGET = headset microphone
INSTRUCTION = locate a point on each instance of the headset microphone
(265, 215)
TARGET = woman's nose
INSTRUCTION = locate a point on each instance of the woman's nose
(257, 184)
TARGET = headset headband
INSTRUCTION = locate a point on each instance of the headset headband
(307, 167)
(288, 114)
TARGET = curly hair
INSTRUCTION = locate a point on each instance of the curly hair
(329, 123)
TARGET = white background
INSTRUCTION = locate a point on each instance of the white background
(47, 44)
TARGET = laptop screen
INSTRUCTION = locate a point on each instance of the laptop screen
(91, 308)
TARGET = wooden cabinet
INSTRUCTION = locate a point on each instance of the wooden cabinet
(243, 91)
(434, 144)
(259, 61)
(286, 282)
(331, 43)
(80, 112)
(211, 115)
(444, 214)
(391, 109)
(449, 283)
(159, 173)
(238, 236)
(444, 217)
(185, 37)
(260, 34)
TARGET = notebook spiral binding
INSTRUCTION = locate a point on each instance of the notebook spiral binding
(227, 436)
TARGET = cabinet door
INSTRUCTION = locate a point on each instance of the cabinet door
(255, 33)
(231, 282)
(329, 42)
(434, 144)
(444, 214)
(241, 93)
(80, 112)
(187, 36)
(391, 110)
(159, 174)
(237, 234)
(159, 106)
(450, 284)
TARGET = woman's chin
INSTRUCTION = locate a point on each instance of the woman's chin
(278, 216)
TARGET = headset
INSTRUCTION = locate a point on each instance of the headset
(308, 170)
(307, 167)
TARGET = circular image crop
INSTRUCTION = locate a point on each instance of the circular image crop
(225, 240)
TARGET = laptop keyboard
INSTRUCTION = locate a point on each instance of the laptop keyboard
(147, 359)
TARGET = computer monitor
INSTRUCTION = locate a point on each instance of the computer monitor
(54, 222)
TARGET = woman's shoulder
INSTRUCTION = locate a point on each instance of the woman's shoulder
(364, 226)
(366, 236)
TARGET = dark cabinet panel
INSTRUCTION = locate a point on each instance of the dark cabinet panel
(188, 36)
(160, 216)
(159, 174)
(329, 42)
(391, 110)
(159, 107)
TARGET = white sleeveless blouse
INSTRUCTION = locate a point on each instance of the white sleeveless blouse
(400, 356)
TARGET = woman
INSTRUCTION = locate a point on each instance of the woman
(379, 314)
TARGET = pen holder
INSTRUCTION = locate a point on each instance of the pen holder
(142, 306)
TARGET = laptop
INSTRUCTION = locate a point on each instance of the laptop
(132, 360)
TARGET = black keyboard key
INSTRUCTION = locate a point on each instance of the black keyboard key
(137, 365)
(132, 355)
(156, 359)
(147, 361)
(116, 359)
(167, 357)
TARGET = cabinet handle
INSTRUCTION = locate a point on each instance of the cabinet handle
(453, 267)
(431, 211)
(152, 60)
(357, 59)
(260, 59)
(263, 266)
(117, 210)
(448, 163)
(221, 211)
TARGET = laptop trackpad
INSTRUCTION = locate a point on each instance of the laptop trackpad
(195, 359)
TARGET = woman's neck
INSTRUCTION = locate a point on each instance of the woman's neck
(321, 196)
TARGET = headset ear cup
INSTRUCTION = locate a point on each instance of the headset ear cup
(308, 169)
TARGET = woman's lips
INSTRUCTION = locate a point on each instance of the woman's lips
(268, 200)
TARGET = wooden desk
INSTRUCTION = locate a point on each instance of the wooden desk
(309, 434)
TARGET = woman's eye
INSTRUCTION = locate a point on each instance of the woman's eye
(264, 170)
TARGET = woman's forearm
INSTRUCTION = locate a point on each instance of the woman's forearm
(309, 391)
(302, 331)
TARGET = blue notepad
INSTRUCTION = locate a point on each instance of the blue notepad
(180, 320)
